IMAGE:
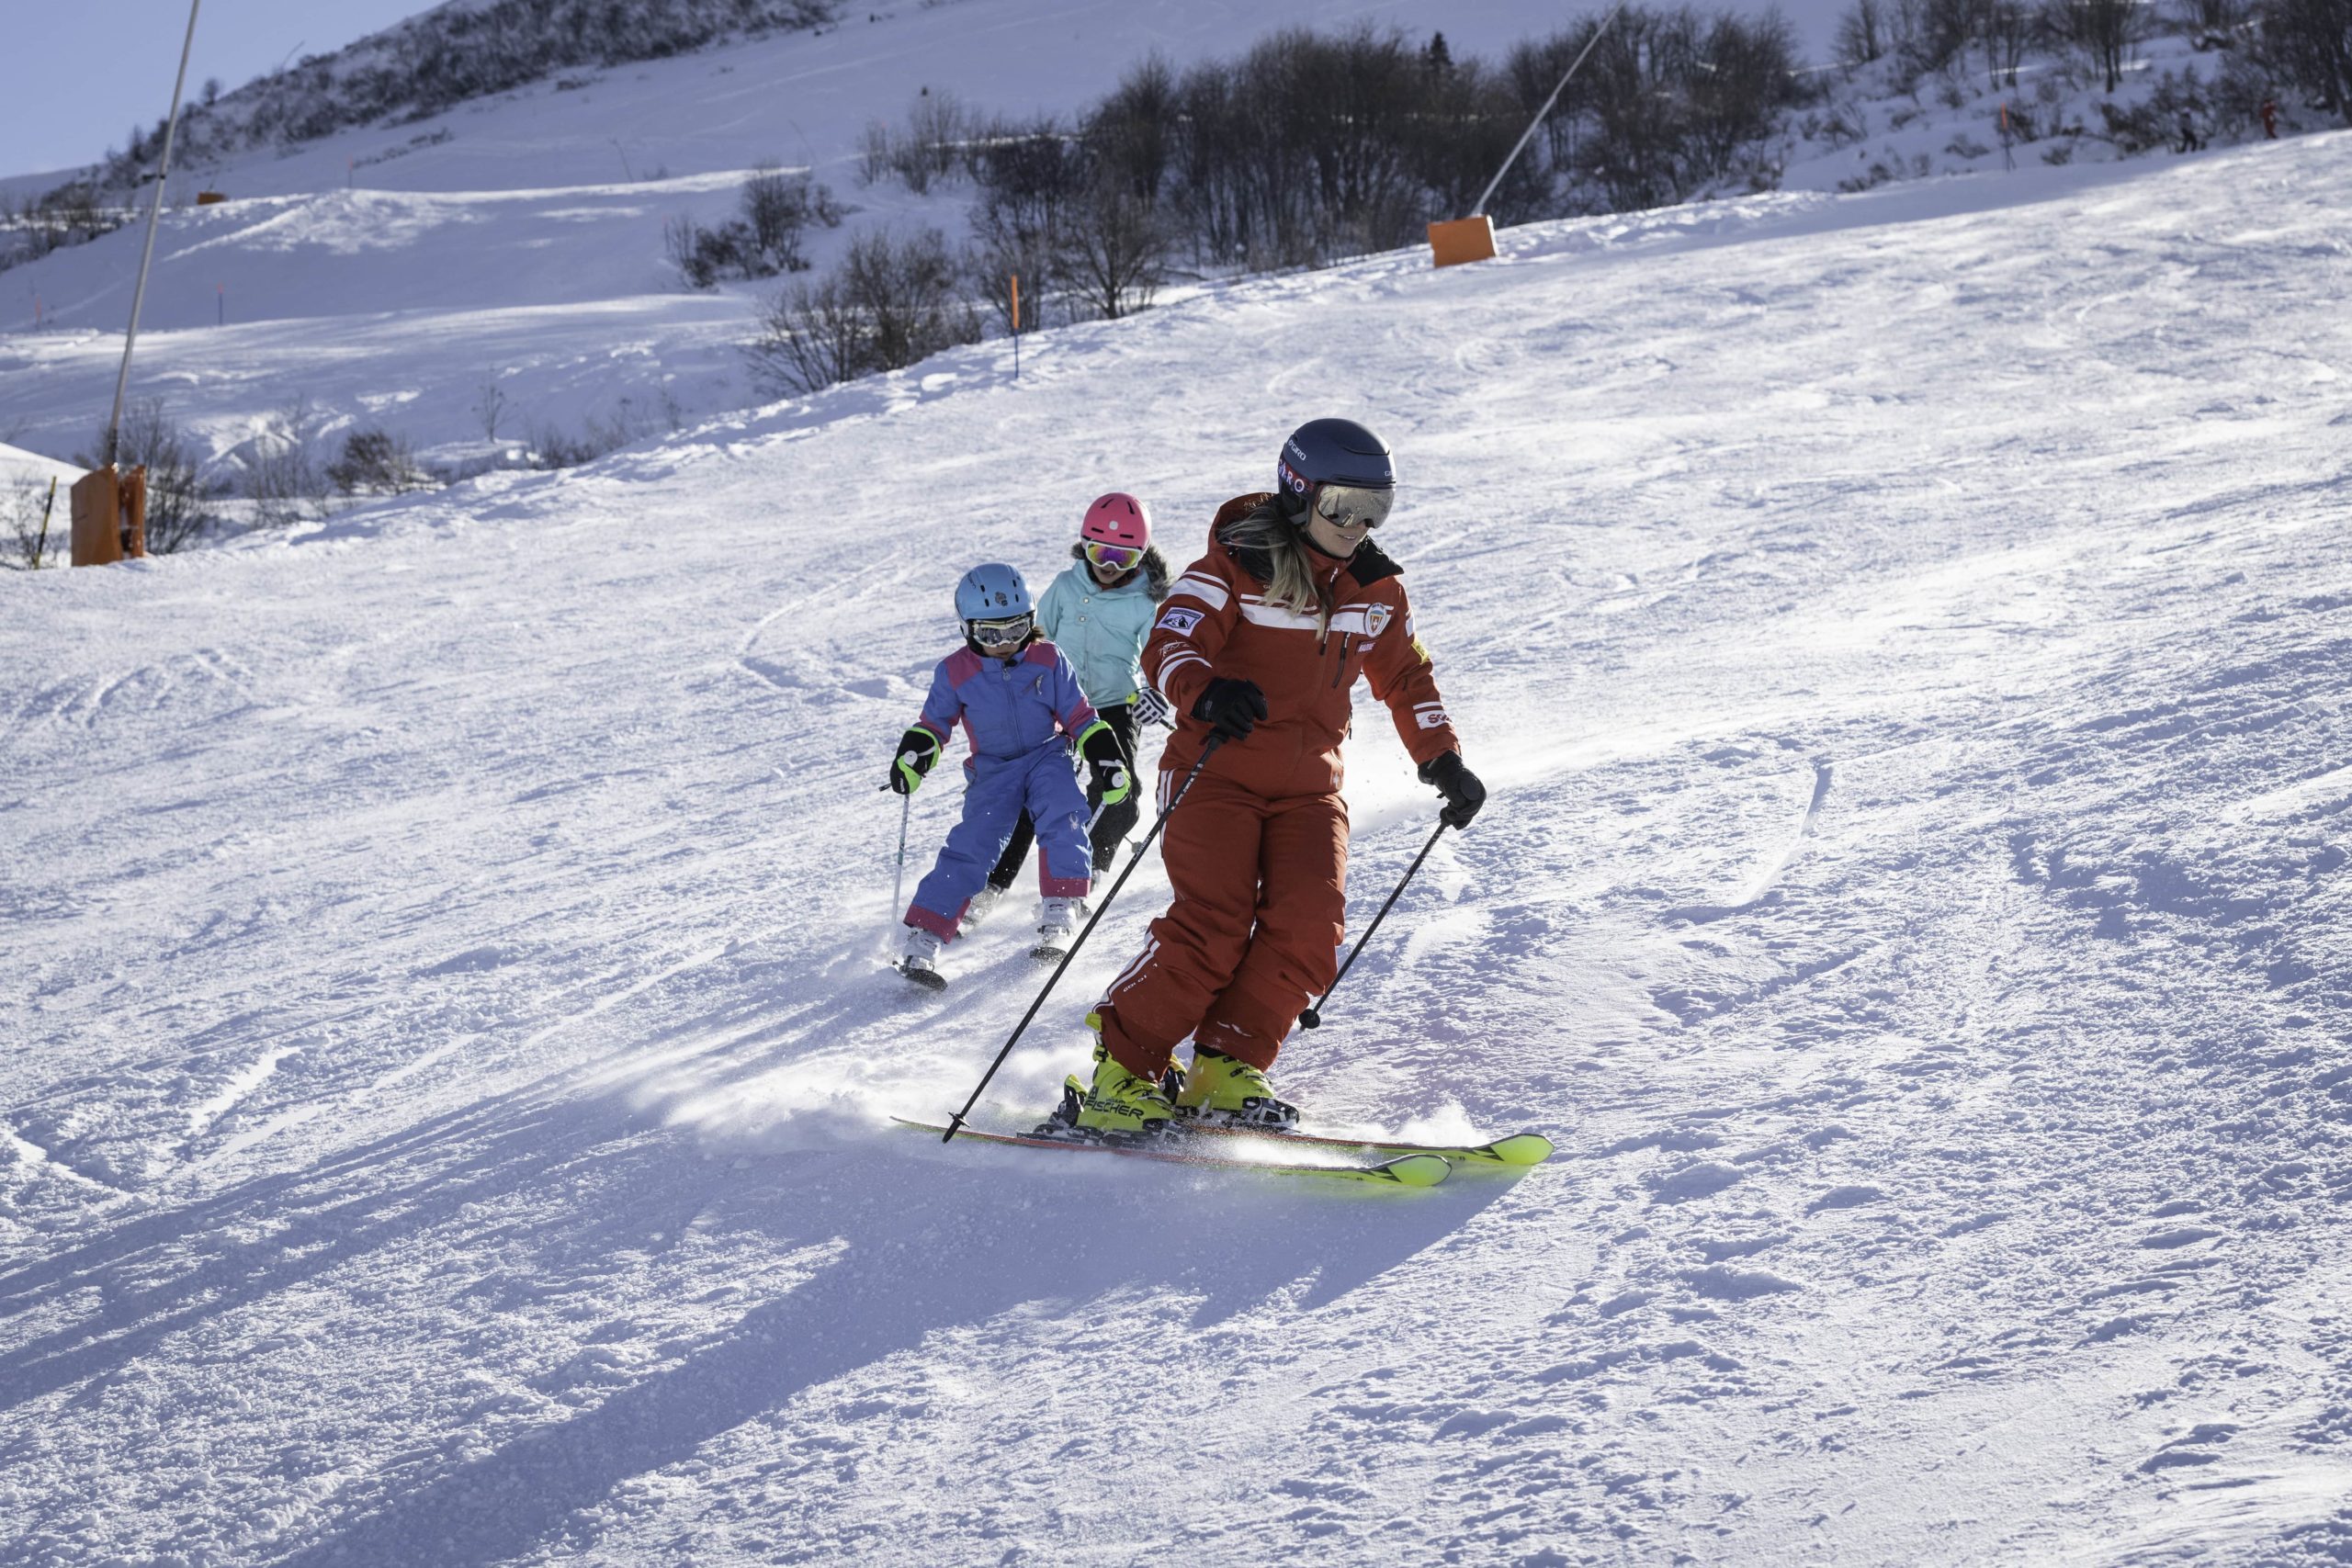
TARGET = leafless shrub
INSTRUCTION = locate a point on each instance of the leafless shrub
(283, 478)
(873, 152)
(549, 445)
(937, 129)
(2105, 32)
(810, 335)
(33, 536)
(179, 511)
(2008, 30)
(777, 210)
(2310, 42)
(1862, 32)
(892, 303)
(698, 255)
(2212, 20)
(490, 405)
(376, 462)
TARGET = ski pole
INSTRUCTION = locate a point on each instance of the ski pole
(898, 880)
(955, 1123)
(1313, 1017)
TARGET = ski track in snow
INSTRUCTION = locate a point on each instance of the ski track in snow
(1906, 647)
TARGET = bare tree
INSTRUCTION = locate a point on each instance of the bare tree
(2311, 40)
(874, 156)
(1031, 178)
(1114, 254)
(908, 291)
(2007, 30)
(1861, 32)
(490, 403)
(937, 127)
(2105, 31)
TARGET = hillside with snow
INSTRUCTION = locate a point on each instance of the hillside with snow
(447, 1114)
(490, 280)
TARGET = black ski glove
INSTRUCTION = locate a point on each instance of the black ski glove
(918, 749)
(1233, 706)
(1463, 793)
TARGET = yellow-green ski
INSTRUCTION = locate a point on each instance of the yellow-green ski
(1517, 1151)
(1409, 1169)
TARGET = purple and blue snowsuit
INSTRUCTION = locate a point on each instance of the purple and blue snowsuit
(1020, 715)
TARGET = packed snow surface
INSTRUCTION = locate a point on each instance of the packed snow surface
(1905, 638)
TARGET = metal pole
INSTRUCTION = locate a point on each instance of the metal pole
(1547, 109)
(955, 1123)
(898, 883)
(154, 212)
(1313, 1017)
(40, 545)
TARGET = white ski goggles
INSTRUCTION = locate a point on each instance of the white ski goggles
(1009, 631)
(1344, 506)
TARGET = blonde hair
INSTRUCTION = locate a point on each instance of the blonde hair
(1292, 585)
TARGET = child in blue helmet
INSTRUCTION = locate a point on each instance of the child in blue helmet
(1021, 710)
(1099, 612)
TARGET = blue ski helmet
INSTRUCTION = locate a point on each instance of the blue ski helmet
(991, 592)
(1329, 451)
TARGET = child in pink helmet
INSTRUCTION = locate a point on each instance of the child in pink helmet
(1097, 612)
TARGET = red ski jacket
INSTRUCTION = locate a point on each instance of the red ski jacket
(1217, 623)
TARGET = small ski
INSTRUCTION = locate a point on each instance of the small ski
(1412, 1169)
(1049, 954)
(929, 980)
(1517, 1151)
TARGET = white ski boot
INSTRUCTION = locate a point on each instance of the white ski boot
(921, 963)
(986, 899)
(1056, 925)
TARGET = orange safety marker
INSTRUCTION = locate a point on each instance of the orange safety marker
(1458, 240)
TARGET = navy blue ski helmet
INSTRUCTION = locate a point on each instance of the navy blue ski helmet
(1334, 452)
(991, 592)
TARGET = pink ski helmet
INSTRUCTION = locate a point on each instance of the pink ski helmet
(1119, 519)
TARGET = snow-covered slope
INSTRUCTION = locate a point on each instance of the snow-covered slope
(1906, 638)
(19, 464)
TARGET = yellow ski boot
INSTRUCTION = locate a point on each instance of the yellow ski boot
(1226, 1089)
(1118, 1101)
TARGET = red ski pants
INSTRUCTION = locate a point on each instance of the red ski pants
(1253, 935)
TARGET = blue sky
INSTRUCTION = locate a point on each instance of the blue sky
(107, 64)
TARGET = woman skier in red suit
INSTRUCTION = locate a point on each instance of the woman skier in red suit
(1261, 642)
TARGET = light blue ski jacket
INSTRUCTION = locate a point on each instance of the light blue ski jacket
(1099, 630)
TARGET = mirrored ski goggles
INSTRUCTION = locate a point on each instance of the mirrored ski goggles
(1007, 632)
(1344, 506)
(1113, 557)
